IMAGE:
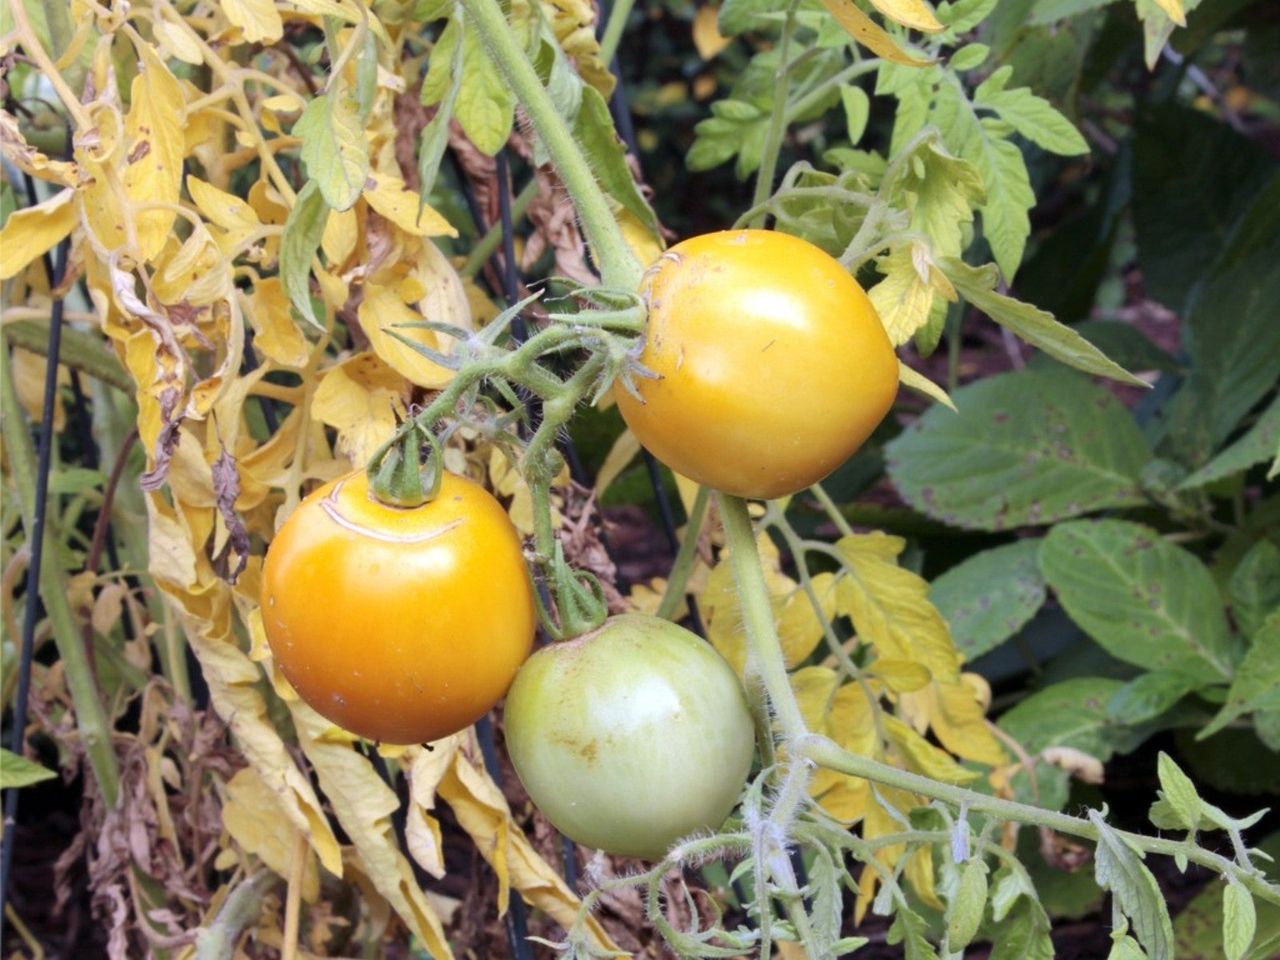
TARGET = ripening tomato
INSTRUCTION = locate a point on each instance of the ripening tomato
(402, 625)
(630, 737)
(773, 366)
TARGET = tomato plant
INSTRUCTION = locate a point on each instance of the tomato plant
(772, 365)
(400, 625)
(630, 737)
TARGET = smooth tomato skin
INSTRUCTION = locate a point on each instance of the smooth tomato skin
(630, 737)
(399, 625)
(773, 366)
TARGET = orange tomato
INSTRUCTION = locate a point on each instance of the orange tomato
(399, 625)
(772, 365)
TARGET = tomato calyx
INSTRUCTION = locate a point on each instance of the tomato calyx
(398, 477)
(580, 605)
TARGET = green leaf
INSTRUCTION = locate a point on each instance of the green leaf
(988, 597)
(1033, 325)
(1144, 600)
(1255, 587)
(969, 56)
(1200, 927)
(1124, 947)
(485, 107)
(1023, 934)
(16, 771)
(1157, 28)
(910, 930)
(1068, 714)
(594, 132)
(1257, 681)
(1149, 695)
(857, 108)
(1119, 868)
(940, 191)
(1026, 448)
(1126, 345)
(1239, 921)
(1180, 793)
(334, 147)
(442, 66)
(1185, 201)
(298, 245)
(964, 912)
(1258, 445)
(1033, 117)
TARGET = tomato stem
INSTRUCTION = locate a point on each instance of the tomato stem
(678, 579)
(618, 265)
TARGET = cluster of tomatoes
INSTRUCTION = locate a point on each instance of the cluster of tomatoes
(770, 368)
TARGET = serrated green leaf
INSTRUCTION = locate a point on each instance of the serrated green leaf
(485, 107)
(1257, 681)
(1118, 868)
(298, 245)
(17, 772)
(969, 56)
(1255, 587)
(594, 131)
(334, 147)
(1068, 714)
(964, 912)
(1199, 927)
(939, 191)
(1144, 600)
(1179, 791)
(910, 930)
(1023, 934)
(1026, 448)
(1258, 445)
(1033, 117)
(1033, 325)
(963, 15)
(1239, 921)
(1124, 947)
(990, 596)
(442, 65)
(1149, 695)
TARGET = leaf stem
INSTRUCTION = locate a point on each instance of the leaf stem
(485, 246)
(678, 579)
(618, 265)
(777, 119)
(613, 28)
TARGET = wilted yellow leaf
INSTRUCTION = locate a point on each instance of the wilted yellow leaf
(905, 296)
(276, 335)
(707, 38)
(800, 626)
(722, 611)
(914, 380)
(388, 195)
(14, 147)
(33, 231)
(236, 220)
(360, 398)
(900, 676)
(847, 716)
(957, 718)
(341, 231)
(913, 13)
(154, 143)
(382, 317)
(258, 20)
(253, 817)
(869, 33)
(923, 757)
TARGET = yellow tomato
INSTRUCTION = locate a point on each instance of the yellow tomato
(772, 365)
(400, 625)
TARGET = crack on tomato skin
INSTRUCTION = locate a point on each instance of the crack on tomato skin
(330, 507)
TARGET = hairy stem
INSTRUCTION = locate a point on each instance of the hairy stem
(777, 119)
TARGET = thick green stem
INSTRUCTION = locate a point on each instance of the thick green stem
(777, 119)
(678, 580)
(618, 265)
(826, 753)
(91, 717)
(764, 652)
(80, 351)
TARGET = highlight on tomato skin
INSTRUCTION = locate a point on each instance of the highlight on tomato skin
(399, 625)
(630, 737)
(772, 366)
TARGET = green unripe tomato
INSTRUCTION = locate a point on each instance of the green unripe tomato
(630, 737)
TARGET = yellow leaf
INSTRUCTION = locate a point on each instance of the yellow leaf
(620, 455)
(707, 38)
(901, 676)
(341, 231)
(196, 274)
(276, 335)
(33, 231)
(482, 812)
(155, 143)
(905, 295)
(253, 817)
(14, 146)
(236, 220)
(1173, 10)
(258, 20)
(870, 34)
(914, 380)
(176, 41)
(913, 13)
(388, 195)
(800, 627)
(360, 398)
(845, 714)
(363, 804)
(642, 242)
(382, 316)
(426, 768)
(880, 822)
(890, 607)
(722, 612)
(922, 756)
(957, 718)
